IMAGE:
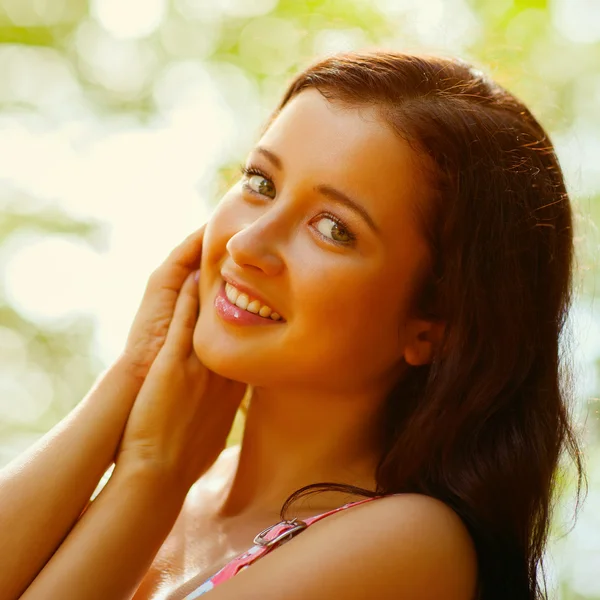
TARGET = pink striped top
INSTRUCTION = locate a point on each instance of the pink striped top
(265, 542)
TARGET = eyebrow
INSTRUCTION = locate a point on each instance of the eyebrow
(327, 190)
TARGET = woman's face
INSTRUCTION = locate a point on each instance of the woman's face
(340, 277)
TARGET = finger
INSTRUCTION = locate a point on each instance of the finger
(181, 261)
(188, 252)
(151, 323)
(165, 283)
(185, 316)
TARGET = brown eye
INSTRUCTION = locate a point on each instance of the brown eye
(333, 230)
(261, 185)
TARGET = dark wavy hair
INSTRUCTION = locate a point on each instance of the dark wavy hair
(483, 427)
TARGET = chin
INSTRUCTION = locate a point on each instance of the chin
(222, 360)
(231, 363)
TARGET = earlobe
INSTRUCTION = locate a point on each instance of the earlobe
(424, 338)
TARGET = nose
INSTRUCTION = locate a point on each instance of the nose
(254, 247)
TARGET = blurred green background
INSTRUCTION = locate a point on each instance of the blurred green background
(122, 122)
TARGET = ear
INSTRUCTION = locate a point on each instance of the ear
(422, 337)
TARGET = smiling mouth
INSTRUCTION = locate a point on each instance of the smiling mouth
(245, 302)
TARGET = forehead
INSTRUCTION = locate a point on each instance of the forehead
(350, 148)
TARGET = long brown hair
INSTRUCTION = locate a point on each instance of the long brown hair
(484, 426)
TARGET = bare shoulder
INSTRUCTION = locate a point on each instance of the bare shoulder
(409, 546)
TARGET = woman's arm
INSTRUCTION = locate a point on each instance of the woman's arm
(112, 546)
(44, 490)
(176, 429)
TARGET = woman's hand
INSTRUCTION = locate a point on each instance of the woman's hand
(184, 412)
(149, 329)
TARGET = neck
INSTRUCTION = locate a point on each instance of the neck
(293, 440)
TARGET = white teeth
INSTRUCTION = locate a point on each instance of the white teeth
(242, 301)
(231, 293)
(253, 307)
(265, 311)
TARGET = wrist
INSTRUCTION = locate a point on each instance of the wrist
(127, 365)
(153, 481)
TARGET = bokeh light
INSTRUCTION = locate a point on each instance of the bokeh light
(577, 20)
(121, 121)
(131, 19)
(36, 13)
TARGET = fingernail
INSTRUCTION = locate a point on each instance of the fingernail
(197, 275)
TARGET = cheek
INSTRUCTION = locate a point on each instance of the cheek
(356, 318)
(345, 346)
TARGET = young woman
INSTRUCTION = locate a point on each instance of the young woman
(389, 279)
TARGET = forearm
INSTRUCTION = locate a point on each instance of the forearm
(44, 490)
(113, 545)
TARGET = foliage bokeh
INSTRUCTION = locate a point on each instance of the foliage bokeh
(169, 94)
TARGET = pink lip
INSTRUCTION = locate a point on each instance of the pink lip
(249, 291)
(234, 314)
